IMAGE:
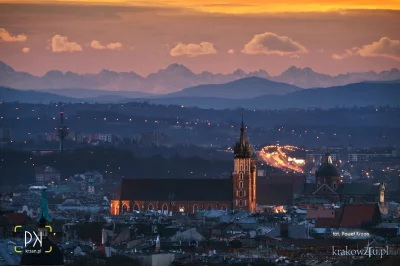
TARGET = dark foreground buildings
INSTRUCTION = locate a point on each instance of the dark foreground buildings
(48, 252)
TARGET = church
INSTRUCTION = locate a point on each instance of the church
(238, 192)
(329, 187)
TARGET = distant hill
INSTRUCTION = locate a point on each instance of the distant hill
(239, 89)
(358, 94)
(31, 96)
(91, 93)
(174, 78)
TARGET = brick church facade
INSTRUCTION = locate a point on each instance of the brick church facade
(191, 195)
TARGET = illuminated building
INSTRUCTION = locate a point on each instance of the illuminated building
(190, 195)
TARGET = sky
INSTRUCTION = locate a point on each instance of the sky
(220, 36)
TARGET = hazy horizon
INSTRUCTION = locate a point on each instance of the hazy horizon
(219, 37)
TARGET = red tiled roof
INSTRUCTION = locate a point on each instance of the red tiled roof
(355, 214)
(17, 218)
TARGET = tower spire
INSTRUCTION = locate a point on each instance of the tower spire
(242, 142)
(43, 215)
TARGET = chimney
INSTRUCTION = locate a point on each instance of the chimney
(284, 230)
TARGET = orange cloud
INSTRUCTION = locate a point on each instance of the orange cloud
(61, 44)
(26, 50)
(271, 43)
(5, 36)
(112, 46)
(385, 47)
(192, 50)
(231, 51)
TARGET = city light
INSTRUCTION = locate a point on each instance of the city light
(276, 156)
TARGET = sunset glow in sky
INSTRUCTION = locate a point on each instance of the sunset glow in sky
(330, 36)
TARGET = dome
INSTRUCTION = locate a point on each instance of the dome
(327, 170)
(38, 256)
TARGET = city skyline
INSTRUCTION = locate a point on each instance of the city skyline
(88, 36)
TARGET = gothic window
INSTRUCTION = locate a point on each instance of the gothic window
(334, 185)
(209, 208)
(223, 207)
(241, 184)
(240, 203)
(150, 207)
(241, 176)
(241, 167)
(195, 208)
(136, 207)
(240, 193)
(181, 208)
(124, 208)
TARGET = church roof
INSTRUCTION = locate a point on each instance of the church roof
(176, 189)
(358, 189)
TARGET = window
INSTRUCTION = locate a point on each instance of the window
(245, 202)
(223, 207)
(165, 208)
(241, 176)
(240, 203)
(136, 207)
(195, 208)
(241, 167)
(241, 184)
(240, 193)
(209, 208)
(181, 208)
(124, 208)
(334, 185)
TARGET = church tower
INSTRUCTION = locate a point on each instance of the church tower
(244, 174)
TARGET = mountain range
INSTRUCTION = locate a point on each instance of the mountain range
(358, 94)
(175, 78)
